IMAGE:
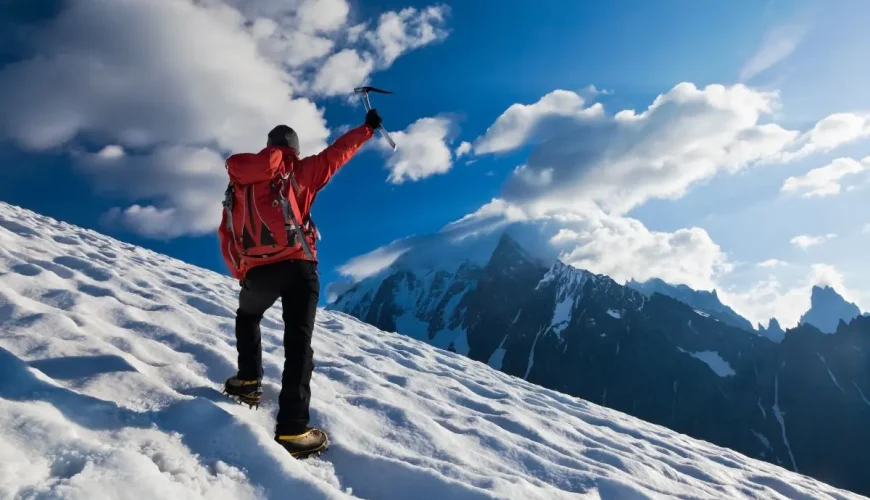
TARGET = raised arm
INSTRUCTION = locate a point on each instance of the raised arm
(315, 171)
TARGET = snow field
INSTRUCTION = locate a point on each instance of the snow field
(112, 358)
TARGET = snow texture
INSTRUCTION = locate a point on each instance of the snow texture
(112, 357)
(715, 362)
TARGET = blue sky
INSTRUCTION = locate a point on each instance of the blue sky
(76, 77)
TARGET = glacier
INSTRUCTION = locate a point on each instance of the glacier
(112, 358)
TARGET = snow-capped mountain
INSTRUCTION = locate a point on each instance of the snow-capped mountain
(827, 309)
(702, 300)
(112, 357)
(800, 403)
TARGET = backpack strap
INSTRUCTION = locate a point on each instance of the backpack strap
(309, 221)
(292, 216)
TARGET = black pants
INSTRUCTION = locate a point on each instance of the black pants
(297, 283)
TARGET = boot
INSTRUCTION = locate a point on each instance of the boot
(311, 442)
(246, 391)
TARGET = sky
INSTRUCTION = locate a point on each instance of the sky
(722, 145)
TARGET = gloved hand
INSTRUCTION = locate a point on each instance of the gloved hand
(373, 119)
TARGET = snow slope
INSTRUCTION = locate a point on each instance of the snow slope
(112, 356)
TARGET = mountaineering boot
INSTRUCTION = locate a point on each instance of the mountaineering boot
(246, 391)
(312, 441)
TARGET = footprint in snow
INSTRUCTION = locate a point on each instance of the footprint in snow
(84, 267)
(19, 229)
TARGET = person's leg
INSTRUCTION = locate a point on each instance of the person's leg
(300, 307)
(256, 297)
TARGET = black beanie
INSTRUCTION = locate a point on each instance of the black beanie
(282, 135)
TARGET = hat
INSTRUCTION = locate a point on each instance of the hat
(282, 135)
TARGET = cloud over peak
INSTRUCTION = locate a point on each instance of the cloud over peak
(165, 80)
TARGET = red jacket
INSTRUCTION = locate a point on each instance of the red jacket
(311, 173)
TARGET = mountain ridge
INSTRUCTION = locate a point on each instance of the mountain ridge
(668, 362)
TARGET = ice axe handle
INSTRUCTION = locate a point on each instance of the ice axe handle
(368, 105)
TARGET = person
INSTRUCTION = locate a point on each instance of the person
(268, 241)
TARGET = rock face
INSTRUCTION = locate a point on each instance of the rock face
(827, 309)
(802, 402)
(702, 300)
(773, 331)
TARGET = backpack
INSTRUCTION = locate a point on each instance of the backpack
(262, 214)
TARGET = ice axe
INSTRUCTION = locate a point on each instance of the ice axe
(364, 91)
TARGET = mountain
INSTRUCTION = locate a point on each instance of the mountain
(773, 331)
(827, 309)
(800, 403)
(112, 358)
(701, 300)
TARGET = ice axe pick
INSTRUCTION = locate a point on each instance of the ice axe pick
(364, 91)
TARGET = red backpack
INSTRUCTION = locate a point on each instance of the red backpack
(262, 214)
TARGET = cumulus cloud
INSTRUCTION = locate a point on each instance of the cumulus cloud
(806, 241)
(373, 262)
(772, 298)
(620, 247)
(422, 152)
(463, 149)
(408, 29)
(825, 181)
(685, 136)
(111, 152)
(395, 34)
(343, 72)
(153, 76)
(191, 206)
(830, 133)
(623, 248)
(772, 263)
(521, 122)
(779, 43)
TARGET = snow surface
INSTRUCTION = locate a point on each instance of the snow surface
(614, 313)
(112, 356)
(715, 362)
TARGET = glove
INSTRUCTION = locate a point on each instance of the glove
(373, 119)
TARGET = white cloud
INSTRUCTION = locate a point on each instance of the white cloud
(371, 263)
(112, 152)
(620, 247)
(422, 150)
(520, 122)
(685, 136)
(805, 240)
(624, 248)
(592, 91)
(154, 76)
(867, 228)
(772, 263)
(181, 181)
(342, 72)
(825, 181)
(771, 298)
(463, 149)
(830, 133)
(410, 28)
(779, 43)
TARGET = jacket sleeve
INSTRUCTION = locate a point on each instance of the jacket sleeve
(315, 171)
(231, 256)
